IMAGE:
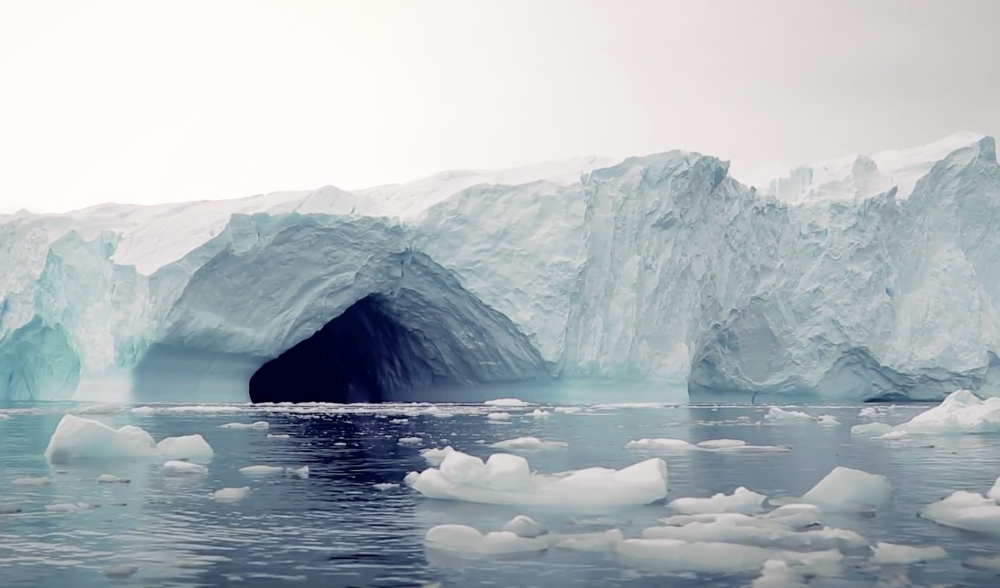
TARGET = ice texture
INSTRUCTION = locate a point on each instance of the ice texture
(508, 479)
(846, 489)
(865, 278)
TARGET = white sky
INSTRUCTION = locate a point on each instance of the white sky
(142, 101)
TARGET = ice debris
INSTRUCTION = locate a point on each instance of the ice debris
(231, 494)
(965, 510)
(892, 554)
(780, 414)
(434, 455)
(467, 540)
(512, 402)
(523, 526)
(507, 479)
(961, 412)
(410, 441)
(498, 416)
(528, 444)
(259, 425)
(740, 501)
(302, 473)
(111, 479)
(181, 468)
(261, 470)
(32, 481)
(846, 489)
(80, 438)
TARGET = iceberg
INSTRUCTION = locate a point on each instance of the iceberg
(867, 278)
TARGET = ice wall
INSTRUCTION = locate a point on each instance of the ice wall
(854, 279)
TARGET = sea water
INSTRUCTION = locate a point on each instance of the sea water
(348, 524)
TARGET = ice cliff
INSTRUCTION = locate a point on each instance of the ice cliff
(855, 279)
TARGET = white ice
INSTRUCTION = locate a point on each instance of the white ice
(740, 501)
(528, 444)
(467, 540)
(508, 481)
(261, 470)
(523, 526)
(191, 447)
(259, 425)
(434, 455)
(78, 438)
(965, 510)
(961, 412)
(846, 489)
(182, 468)
(776, 414)
(231, 494)
(513, 402)
(112, 479)
(893, 554)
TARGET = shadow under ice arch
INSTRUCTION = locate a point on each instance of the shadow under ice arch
(358, 326)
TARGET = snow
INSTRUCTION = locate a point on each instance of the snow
(467, 540)
(846, 489)
(892, 554)
(847, 280)
(740, 501)
(508, 479)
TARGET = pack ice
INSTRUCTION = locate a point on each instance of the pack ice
(855, 279)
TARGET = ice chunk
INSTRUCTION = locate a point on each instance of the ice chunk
(276, 436)
(740, 501)
(463, 539)
(568, 409)
(961, 412)
(892, 435)
(892, 554)
(523, 526)
(778, 574)
(721, 443)
(410, 441)
(758, 532)
(994, 492)
(539, 413)
(780, 414)
(143, 410)
(106, 408)
(506, 472)
(80, 438)
(498, 416)
(660, 445)
(868, 412)
(600, 541)
(512, 402)
(846, 489)
(192, 447)
(672, 555)
(110, 479)
(32, 481)
(435, 455)
(464, 477)
(259, 425)
(827, 420)
(871, 429)
(965, 510)
(302, 473)
(181, 468)
(120, 572)
(261, 470)
(385, 486)
(231, 494)
(529, 444)
(796, 516)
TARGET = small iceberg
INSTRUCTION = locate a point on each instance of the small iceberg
(507, 479)
(892, 554)
(741, 501)
(231, 494)
(528, 444)
(961, 412)
(512, 402)
(183, 468)
(850, 490)
(259, 426)
(523, 526)
(78, 438)
(462, 539)
(261, 470)
(776, 414)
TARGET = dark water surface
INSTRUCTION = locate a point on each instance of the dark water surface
(336, 529)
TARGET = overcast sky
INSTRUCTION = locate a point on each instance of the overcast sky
(148, 101)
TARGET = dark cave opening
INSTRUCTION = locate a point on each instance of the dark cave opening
(363, 355)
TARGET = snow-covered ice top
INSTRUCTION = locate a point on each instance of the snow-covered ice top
(855, 279)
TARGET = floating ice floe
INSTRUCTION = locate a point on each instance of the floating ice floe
(301, 473)
(892, 436)
(758, 532)
(498, 416)
(740, 501)
(568, 409)
(827, 420)
(780, 414)
(849, 490)
(435, 455)
(714, 445)
(507, 479)
(869, 412)
(523, 526)
(410, 441)
(78, 438)
(231, 494)
(892, 554)
(790, 516)
(778, 574)
(965, 510)
(69, 507)
(673, 555)
(539, 413)
(111, 479)
(528, 444)
(871, 429)
(277, 436)
(262, 470)
(183, 468)
(385, 486)
(461, 539)
(259, 426)
(961, 412)
(32, 481)
(512, 402)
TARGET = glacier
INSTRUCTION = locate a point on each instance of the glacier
(869, 277)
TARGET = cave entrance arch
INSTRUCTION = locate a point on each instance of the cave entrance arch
(363, 355)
